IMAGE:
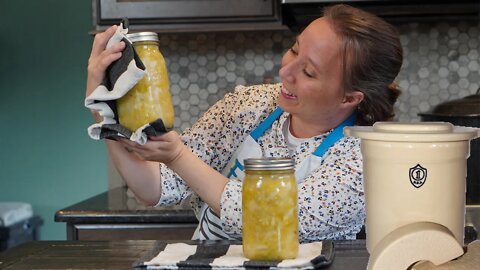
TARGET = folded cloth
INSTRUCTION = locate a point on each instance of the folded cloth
(120, 77)
(224, 255)
(13, 212)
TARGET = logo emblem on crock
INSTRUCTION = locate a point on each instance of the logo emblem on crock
(418, 175)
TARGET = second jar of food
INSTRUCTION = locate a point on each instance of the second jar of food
(150, 98)
(270, 209)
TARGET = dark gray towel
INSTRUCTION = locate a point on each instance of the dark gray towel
(121, 76)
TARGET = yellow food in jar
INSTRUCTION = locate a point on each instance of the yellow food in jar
(270, 215)
(150, 98)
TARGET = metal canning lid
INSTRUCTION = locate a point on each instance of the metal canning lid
(143, 36)
(258, 164)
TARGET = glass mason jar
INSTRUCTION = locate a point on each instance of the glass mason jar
(270, 209)
(150, 98)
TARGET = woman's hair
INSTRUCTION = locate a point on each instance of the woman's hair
(372, 58)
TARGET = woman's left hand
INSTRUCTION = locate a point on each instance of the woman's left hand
(166, 148)
(199, 176)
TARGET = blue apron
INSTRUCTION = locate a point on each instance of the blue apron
(210, 224)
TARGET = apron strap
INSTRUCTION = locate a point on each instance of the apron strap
(266, 124)
(334, 136)
(331, 139)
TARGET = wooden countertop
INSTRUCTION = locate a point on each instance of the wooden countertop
(119, 255)
(115, 206)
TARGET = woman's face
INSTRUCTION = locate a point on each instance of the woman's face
(311, 74)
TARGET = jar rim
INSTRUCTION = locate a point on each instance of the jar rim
(269, 164)
(143, 36)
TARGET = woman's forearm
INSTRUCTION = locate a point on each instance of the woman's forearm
(144, 178)
(205, 181)
(141, 176)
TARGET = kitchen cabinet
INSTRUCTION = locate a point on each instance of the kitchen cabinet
(188, 16)
(114, 215)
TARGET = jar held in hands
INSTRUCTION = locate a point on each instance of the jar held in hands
(150, 99)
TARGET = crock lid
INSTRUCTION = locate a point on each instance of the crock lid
(467, 106)
(413, 132)
(143, 36)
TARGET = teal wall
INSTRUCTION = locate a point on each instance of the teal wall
(46, 156)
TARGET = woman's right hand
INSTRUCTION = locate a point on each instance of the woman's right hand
(100, 58)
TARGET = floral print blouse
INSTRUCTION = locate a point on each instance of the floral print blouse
(331, 199)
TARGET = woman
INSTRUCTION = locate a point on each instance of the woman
(339, 72)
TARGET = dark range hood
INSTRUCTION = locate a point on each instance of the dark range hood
(299, 13)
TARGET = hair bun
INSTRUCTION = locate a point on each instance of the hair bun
(394, 90)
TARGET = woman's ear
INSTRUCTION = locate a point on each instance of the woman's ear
(353, 98)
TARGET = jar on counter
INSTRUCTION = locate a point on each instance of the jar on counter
(270, 209)
(150, 99)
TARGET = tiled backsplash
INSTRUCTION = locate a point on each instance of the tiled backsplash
(441, 62)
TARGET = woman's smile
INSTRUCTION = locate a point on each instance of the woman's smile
(286, 94)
